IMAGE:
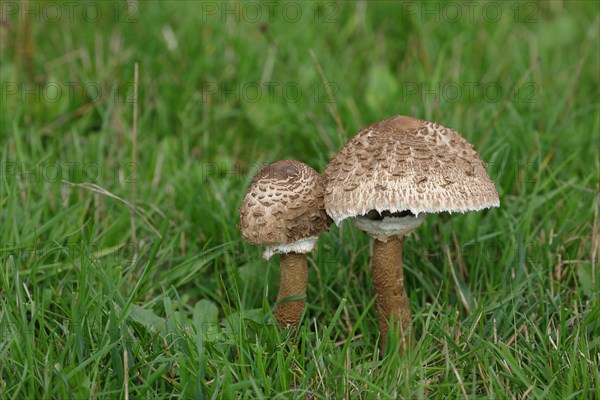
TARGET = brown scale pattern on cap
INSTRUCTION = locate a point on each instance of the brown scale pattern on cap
(404, 163)
(284, 204)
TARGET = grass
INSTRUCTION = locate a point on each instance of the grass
(167, 301)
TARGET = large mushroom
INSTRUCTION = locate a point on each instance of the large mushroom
(386, 179)
(283, 210)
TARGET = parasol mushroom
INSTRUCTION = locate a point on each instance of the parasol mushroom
(283, 210)
(386, 178)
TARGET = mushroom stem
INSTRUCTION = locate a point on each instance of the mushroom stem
(388, 280)
(294, 276)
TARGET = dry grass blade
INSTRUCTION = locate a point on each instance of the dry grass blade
(133, 153)
(463, 296)
(98, 189)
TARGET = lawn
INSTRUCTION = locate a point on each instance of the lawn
(122, 272)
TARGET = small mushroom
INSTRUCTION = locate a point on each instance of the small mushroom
(289, 224)
(414, 172)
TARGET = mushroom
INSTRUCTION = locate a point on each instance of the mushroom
(386, 179)
(283, 210)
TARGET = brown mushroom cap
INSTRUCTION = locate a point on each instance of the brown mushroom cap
(404, 163)
(284, 205)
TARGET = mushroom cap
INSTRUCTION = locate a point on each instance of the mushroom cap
(283, 206)
(404, 163)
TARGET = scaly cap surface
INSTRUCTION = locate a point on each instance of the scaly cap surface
(404, 163)
(284, 205)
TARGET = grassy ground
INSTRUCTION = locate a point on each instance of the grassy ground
(122, 272)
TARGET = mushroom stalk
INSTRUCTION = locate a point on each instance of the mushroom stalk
(294, 276)
(388, 281)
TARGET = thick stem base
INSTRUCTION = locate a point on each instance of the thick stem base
(388, 281)
(294, 276)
